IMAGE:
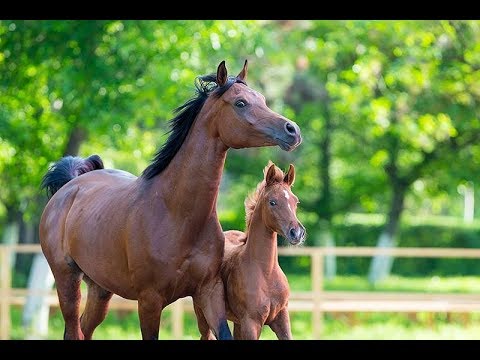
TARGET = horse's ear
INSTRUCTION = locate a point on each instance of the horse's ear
(290, 175)
(222, 75)
(243, 74)
(270, 175)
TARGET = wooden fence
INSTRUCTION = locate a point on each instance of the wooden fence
(317, 301)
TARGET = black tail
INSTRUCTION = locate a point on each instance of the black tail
(66, 169)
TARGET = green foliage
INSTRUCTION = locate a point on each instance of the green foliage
(397, 95)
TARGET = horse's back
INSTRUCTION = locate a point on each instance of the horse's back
(234, 242)
(93, 186)
(112, 177)
(235, 237)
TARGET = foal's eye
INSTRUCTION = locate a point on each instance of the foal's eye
(273, 202)
(240, 103)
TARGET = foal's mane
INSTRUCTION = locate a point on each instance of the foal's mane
(252, 199)
(185, 116)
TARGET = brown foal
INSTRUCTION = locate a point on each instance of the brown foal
(256, 288)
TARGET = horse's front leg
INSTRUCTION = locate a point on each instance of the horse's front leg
(210, 298)
(150, 306)
(281, 325)
(205, 332)
(250, 329)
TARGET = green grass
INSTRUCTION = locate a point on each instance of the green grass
(361, 326)
(434, 284)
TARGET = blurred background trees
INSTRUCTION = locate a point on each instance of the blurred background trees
(388, 112)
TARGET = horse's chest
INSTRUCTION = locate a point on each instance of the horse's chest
(277, 301)
(272, 300)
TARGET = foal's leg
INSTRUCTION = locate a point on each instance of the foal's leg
(96, 309)
(281, 325)
(67, 279)
(205, 332)
(211, 301)
(150, 306)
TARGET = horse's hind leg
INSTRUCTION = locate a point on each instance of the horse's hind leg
(96, 308)
(67, 280)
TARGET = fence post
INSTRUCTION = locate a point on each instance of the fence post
(177, 319)
(5, 283)
(317, 288)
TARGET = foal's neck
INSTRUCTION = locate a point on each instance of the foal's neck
(261, 243)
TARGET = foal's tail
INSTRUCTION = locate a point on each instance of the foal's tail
(66, 169)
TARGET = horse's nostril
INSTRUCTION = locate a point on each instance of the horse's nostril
(293, 233)
(290, 129)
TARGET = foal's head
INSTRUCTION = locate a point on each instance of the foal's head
(244, 119)
(277, 203)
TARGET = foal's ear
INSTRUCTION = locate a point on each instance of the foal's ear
(270, 175)
(290, 175)
(222, 75)
(243, 74)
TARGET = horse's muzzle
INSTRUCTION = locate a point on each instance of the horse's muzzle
(291, 136)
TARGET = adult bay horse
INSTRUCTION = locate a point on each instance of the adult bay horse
(256, 289)
(155, 238)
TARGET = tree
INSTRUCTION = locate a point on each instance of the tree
(406, 107)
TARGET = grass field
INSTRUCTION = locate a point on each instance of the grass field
(362, 326)
(359, 326)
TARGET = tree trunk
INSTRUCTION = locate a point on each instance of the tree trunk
(36, 310)
(325, 205)
(325, 238)
(301, 92)
(381, 265)
(10, 237)
(11, 233)
(77, 135)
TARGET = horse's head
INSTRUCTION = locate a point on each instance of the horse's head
(279, 204)
(244, 119)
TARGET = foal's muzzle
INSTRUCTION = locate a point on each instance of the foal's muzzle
(296, 235)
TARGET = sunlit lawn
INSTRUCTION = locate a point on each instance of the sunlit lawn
(339, 326)
(456, 284)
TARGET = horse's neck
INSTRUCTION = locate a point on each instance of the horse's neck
(261, 245)
(191, 181)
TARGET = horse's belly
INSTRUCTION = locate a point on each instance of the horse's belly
(95, 241)
(107, 274)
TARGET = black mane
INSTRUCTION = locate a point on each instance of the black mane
(184, 119)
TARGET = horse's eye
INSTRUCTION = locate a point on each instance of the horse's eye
(240, 103)
(273, 202)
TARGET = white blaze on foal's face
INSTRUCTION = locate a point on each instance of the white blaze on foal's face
(287, 197)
